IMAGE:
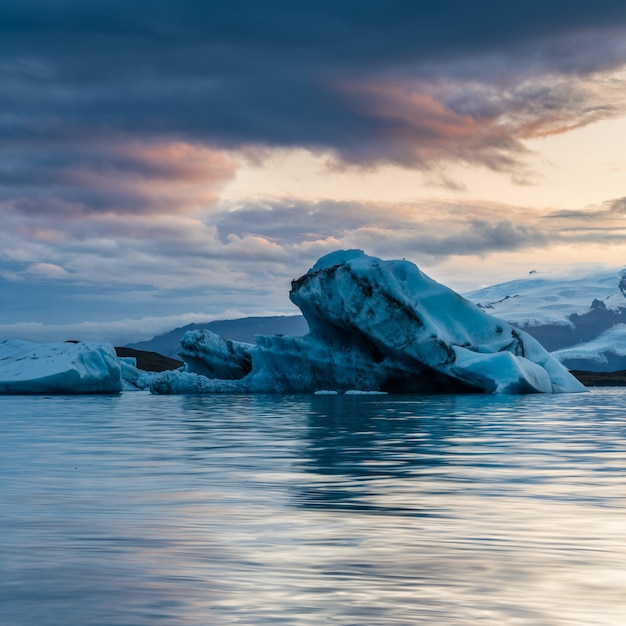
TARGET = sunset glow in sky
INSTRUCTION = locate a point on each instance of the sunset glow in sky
(169, 162)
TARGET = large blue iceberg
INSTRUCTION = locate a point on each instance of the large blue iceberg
(374, 326)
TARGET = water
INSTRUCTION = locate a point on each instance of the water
(308, 510)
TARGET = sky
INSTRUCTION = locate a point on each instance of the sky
(168, 162)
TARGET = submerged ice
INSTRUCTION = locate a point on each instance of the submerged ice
(374, 326)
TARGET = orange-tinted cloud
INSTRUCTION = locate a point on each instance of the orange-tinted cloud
(127, 178)
(417, 129)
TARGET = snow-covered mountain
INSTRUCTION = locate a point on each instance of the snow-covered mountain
(582, 321)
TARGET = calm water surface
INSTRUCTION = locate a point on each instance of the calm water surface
(308, 510)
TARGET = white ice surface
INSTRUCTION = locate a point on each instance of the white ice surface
(58, 368)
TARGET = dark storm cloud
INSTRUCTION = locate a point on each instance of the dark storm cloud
(341, 76)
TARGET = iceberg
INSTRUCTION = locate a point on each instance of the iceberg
(133, 378)
(58, 368)
(374, 326)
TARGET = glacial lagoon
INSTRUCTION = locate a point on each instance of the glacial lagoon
(307, 510)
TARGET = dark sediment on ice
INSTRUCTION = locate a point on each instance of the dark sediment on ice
(150, 361)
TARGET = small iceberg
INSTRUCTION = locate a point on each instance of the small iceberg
(58, 368)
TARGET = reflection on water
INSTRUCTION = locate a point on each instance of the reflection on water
(305, 510)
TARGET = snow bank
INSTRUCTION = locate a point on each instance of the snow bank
(58, 368)
(374, 326)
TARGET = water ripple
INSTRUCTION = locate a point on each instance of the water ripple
(304, 510)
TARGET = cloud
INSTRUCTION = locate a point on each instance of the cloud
(240, 259)
(46, 270)
(530, 106)
(416, 129)
(607, 211)
(241, 255)
(255, 247)
(603, 224)
(427, 231)
(369, 82)
(118, 332)
(70, 181)
(430, 228)
(120, 123)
